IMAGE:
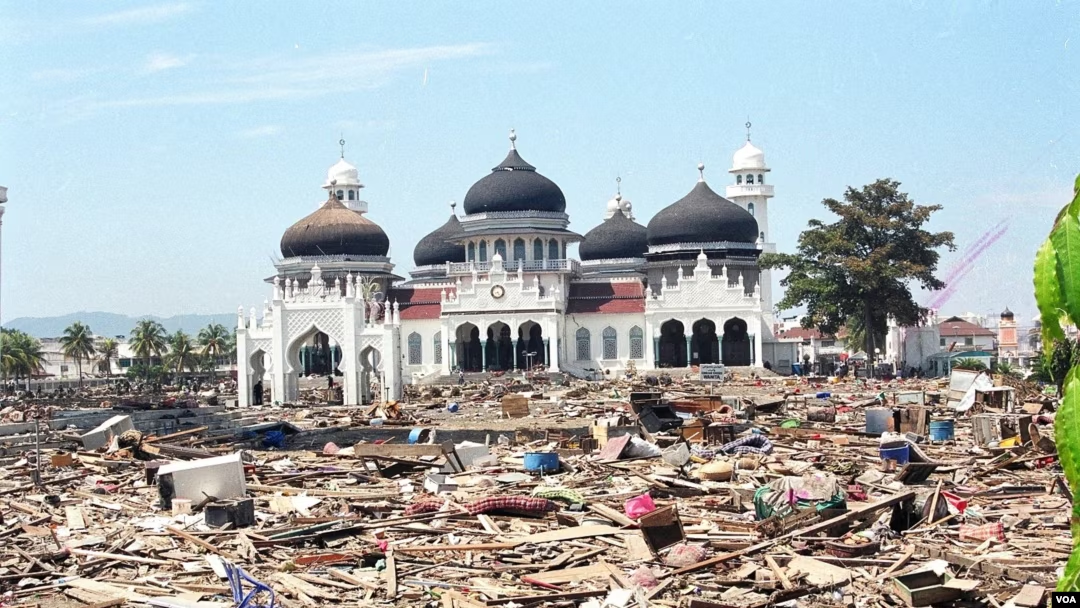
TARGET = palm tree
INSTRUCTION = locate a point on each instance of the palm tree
(107, 350)
(22, 355)
(214, 340)
(182, 353)
(969, 363)
(78, 345)
(148, 339)
(1006, 369)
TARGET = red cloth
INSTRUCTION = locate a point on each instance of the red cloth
(995, 531)
(518, 503)
(424, 506)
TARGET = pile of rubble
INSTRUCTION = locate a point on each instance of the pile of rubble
(754, 492)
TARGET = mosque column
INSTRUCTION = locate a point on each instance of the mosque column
(451, 355)
(547, 352)
(656, 351)
(514, 358)
(483, 356)
(688, 350)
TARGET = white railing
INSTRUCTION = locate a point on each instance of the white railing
(512, 266)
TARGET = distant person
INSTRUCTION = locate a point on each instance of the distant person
(258, 396)
(768, 366)
(330, 382)
(461, 377)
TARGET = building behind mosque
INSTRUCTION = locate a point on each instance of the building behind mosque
(496, 290)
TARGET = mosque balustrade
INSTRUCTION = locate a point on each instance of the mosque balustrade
(703, 290)
(566, 265)
(500, 291)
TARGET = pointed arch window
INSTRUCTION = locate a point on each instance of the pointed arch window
(341, 195)
(483, 251)
(611, 343)
(749, 180)
(584, 345)
(738, 180)
(472, 252)
(415, 349)
(750, 208)
(553, 249)
(637, 343)
(437, 347)
(519, 249)
(500, 248)
(352, 195)
(538, 249)
(760, 178)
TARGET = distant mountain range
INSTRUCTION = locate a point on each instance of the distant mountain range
(110, 324)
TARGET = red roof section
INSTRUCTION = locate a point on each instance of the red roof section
(606, 298)
(800, 333)
(416, 303)
(955, 327)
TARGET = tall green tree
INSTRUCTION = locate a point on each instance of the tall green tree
(21, 355)
(182, 353)
(863, 264)
(1057, 292)
(77, 344)
(107, 350)
(148, 339)
(214, 342)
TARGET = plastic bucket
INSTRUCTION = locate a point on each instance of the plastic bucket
(418, 434)
(941, 430)
(899, 454)
(877, 419)
(542, 461)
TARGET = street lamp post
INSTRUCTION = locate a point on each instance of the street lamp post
(3, 200)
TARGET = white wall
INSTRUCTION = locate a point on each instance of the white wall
(427, 328)
(596, 323)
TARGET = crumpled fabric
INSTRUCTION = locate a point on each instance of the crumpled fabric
(685, 554)
(517, 503)
(423, 506)
(644, 577)
(751, 444)
(570, 496)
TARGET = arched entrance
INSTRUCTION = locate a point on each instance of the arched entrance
(530, 349)
(257, 363)
(320, 355)
(672, 344)
(370, 378)
(500, 347)
(705, 347)
(736, 343)
(469, 353)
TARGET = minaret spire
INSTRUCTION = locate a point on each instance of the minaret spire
(747, 128)
(341, 142)
(701, 172)
(513, 138)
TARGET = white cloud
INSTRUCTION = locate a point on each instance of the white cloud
(263, 131)
(277, 78)
(158, 62)
(141, 16)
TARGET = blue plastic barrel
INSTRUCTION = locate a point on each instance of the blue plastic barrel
(942, 430)
(899, 454)
(542, 461)
(416, 434)
(824, 395)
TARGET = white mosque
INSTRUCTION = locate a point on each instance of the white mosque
(495, 289)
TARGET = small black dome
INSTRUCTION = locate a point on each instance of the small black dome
(617, 237)
(702, 216)
(514, 186)
(1008, 314)
(436, 247)
(334, 229)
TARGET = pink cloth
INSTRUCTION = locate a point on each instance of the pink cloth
(638, 506)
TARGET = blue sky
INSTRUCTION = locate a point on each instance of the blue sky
(155, 152)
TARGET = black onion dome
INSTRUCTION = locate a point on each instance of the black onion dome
(334, 229)
(702, 216)
(514, 186)
(616, 238)
(437, 248)
(1008, 314)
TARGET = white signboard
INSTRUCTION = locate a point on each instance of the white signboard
(713, 372)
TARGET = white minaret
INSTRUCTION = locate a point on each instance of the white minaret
(345, 180)
(752, 192)
(618, 203)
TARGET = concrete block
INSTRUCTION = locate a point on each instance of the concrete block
(221, 477)
(103, 434)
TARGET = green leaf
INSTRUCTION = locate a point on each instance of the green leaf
(1067, 430)
(1066, 239)
(1048, 295)
(1068, 581)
